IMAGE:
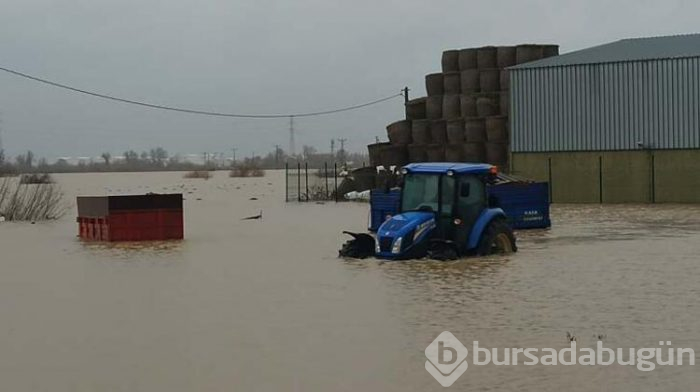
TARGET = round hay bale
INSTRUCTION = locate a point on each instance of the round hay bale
(505, 79)
(450, 61)
(386, 179)
(487, 106)
(467, 105)
(505, 103)
(415, 109)
(475, 130)
(496, 129)
(395, 155)
(550, 50)
(527, 53)
(375, 153)
(400, 132)
(454, 153)
(433, 107)
(490, 80)
(474, 152)
(436, 153)
(455, 131)
(438, 131)
(450, 107)
(467, 59)
(346, 186)
(505, 56)
(434, 84)
(452, 83)
(486, 57)
(497, 153)
(365, 178)
(417, 153)
(470, 81)
(421, 132)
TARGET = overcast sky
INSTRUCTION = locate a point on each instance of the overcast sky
(262, 56)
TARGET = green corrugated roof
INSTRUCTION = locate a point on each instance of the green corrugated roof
(633, 49)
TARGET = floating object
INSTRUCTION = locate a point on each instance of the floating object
(259, 216)
(151, 217)
(354, 195)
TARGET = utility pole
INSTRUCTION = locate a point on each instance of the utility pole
(292, 149)
(233, 153)
(341, 153)
(405, 94)
(277, 155)
(333, 148)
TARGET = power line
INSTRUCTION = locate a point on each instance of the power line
(194, 111)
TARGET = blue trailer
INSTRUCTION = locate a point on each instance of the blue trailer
(525, 202)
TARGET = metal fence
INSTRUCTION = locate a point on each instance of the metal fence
(304, 184)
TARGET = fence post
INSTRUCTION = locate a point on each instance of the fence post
(306, 173)
(298, 181)
(600, 177)
(335, 179)
(325, 175)
(549, 178)
(653, 176)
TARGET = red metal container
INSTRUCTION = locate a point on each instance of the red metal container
(151, 217)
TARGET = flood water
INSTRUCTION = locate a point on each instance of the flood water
(266, 305)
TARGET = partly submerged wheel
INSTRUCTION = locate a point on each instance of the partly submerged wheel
(443, 250)
(498, 238)
(360, 246)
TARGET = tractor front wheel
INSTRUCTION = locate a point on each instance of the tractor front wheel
(498, 238)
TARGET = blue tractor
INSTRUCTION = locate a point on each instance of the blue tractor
(444, 214)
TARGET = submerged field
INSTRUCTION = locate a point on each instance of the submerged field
(266, 305)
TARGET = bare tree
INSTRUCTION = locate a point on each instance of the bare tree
(21, 202)
(308, 151)
(131, 156)
(107, 157)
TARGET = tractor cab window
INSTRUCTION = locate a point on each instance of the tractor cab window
(471, 197)
(448, 195)
(420, 193)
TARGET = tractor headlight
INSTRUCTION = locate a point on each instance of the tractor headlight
(396, 248)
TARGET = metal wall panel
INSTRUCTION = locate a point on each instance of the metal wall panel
(607, 107)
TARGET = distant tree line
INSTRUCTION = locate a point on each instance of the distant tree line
(158, 159)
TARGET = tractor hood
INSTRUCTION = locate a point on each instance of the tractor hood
(401, 235)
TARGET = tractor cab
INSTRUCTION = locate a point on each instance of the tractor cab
(444, 213)
(455, 199)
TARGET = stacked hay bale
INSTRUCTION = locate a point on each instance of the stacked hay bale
(464, 118)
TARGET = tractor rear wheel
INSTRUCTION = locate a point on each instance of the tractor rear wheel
(498, 238)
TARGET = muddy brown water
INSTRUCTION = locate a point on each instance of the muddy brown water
(267, 306)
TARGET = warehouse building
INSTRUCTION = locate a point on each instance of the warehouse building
(616, 123)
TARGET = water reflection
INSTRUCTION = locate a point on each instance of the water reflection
(135, 251)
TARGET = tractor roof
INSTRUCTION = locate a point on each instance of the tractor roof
(443, 167)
